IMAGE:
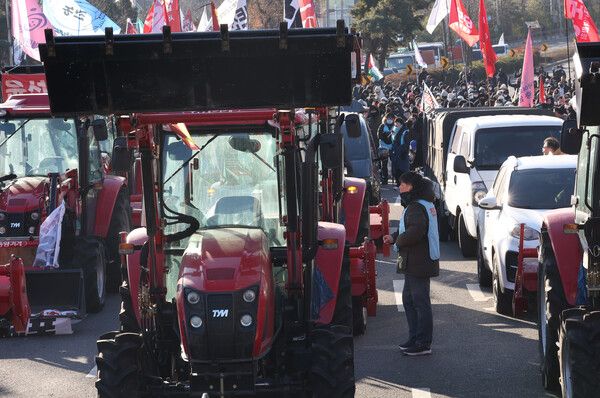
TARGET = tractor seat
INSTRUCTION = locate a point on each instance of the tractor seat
(54, 164)
(237, 210)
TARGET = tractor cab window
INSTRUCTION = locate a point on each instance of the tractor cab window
(31, 147)
(231, 182)
(96, 164)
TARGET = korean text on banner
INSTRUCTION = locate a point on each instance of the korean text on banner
(28, 26)
(77, 18)
(33, 83)
(585, 29)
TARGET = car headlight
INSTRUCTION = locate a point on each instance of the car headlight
(528, 233)
(479, 191)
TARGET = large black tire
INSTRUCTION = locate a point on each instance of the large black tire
(467, 244)
(89, 254)
(484, 275)
(579, 353)
(551, 301)
(118, 365)
(332, 361)
(364, 227)
(127, 318)
(359, 316)
(502, 301)
(120, 221)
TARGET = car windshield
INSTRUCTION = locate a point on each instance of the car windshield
(231, 182)
(541, 188)
(37, 146)
(494, 145)
(399, 62)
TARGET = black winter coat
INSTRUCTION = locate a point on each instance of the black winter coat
(414, 241)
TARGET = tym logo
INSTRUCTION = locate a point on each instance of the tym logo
(220, 313)
(15, 224)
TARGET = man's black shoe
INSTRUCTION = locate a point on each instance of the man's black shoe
(417, 350)
(406, 345)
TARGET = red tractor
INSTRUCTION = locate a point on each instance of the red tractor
(569, 251)
(46, 162)
(234, 287)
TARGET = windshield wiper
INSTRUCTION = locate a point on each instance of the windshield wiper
(15, 132)
(192, 157)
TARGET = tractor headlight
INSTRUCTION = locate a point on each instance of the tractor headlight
(31, 230)
(249, 296)
(196, 321)
(2, 230)
(193, 298)
(2, 216)
(246, 320)
(35, 216)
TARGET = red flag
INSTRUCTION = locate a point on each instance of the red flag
(215, 18)
(461, 23)
(307, 11)
(542, 90)
(188, 22)
(28, 26)
(489, 55)
(130, 30)
(156, 18)
(585, 29)
(173, 15)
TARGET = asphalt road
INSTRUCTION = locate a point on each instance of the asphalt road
(476, 352)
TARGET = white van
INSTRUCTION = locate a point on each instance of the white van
(478, 147)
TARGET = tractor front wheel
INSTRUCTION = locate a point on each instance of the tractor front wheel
(89, 255)
(120, 221)
(118, 365)
(579, 353)
(359, 316)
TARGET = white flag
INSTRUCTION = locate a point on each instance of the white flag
(204, 25)
(501, 40)
(240, 19)
(438, 13)
(418, 56)
(76, 18)
(428, 102)
(226, 12)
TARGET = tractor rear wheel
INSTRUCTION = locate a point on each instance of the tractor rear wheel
(89, 254)
(120, 221)
(579, 353)
(332, 362)
(118, 365)
(466, 243)
(127, 317)
(551, 302)
(359, 316)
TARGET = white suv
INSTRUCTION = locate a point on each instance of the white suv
(523, 190)
(478, 147)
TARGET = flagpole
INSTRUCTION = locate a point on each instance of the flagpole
(568, 54)
(9, 32)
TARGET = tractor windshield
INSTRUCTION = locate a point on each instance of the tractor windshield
(37, 146)
(232, 181)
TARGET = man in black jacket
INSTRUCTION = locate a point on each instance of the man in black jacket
(418, 242)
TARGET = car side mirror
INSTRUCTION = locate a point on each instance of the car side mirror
(489, 203)
(570, 137)
(122, 158)
(100, 130)
(460, 165)
(353, 128)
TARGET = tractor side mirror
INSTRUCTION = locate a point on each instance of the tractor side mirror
(100, 130)
(122, 158)
(353, 128)
(243, 143)
(460, 165)
(331, 152)
(570, 137)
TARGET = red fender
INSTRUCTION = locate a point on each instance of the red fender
(566, 249)
(106, 203)
(329, 263)
(13, 294)
(352, 202)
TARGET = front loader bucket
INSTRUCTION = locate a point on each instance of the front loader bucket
(56, 289)
(197, 71)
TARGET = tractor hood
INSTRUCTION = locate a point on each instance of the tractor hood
(22, 194)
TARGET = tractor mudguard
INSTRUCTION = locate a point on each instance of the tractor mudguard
(328, 268)
(221, 265)
(566, 249)
(352, 204)
(106, 203)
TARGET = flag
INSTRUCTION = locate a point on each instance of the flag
(489, 55)
(307, 12)
(373, 71)
(438, 13)
(215, 18)
(418, 56)
(501, 40)
(542, 90)
(188, 22)
(461, 23)
(291, 13)
(77, 18)
(28, 24)
(240, 20)
(429, 102)
(130, 29)
(173, 15)
(155, 18)
(181, 130)
(526, 93)
(585, 29)
(139, 25)
(205, 24)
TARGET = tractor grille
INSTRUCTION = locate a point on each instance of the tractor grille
(15, 224)
(220, 325)
(512, 263)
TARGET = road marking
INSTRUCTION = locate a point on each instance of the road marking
(421, 393)
(476, 292)
(93, 373)
(398, 287)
